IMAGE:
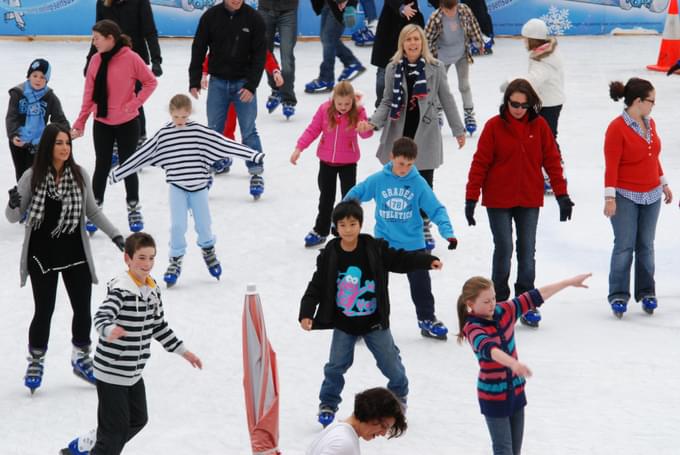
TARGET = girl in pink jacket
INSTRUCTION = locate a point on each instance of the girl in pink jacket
(336, 121)
(110, 93)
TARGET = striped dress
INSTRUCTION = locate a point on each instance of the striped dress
(137, 308)
(186, 154)
(500, 392)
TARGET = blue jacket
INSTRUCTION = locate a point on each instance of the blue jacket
(398, 201)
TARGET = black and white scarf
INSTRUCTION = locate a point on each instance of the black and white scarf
(70, 195)
(416, 69)
(100, 94)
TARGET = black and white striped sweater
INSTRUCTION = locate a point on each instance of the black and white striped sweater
(186, 154)
(139, 311)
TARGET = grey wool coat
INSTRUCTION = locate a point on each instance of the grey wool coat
(90, 210)
(428, 135)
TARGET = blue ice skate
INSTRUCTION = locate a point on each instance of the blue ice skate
(256, 186)
(649, 304)
(313, 239)
(326, 415)
(173, 271)
(351, 72)
(82, 364)
(433, 329)
(618, 307)
(319, 86)
(36, 367)
(135, 219)
(210, 258)
(288, 110)
(273, 102)
(222, 166)
(531, 318)
(470, 122)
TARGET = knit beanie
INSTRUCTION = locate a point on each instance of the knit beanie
(42, 65)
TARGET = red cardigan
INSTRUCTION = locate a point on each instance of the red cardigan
(631, 163)
(507, 164)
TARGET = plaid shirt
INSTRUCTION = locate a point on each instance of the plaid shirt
(470, 28)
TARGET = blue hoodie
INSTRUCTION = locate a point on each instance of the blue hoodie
(398, 201)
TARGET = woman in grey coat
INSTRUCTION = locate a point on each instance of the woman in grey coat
(54, 197)
(415, 89)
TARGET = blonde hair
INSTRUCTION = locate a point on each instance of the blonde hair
(344, 88)
(407, 30)
(471, 290)
(180, 101)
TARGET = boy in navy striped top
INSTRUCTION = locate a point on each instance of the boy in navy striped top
(490, 329)
(186, 151)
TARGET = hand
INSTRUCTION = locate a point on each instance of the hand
(195, 92)
(453, 243)
(156, 69)
(461, 141)
(17, 141)
(673, 68)
(470, 212)
(306, 324)
(14, 198)
(565, 207)
(245, 95)
(278, 78)
(116, 332)
(193, 360)
(76, 133)
(521, 370)
(578, 280)
(295, 156)
(609, 207)
(120, 242)
(204, 81)
(667, 194)
(364, 126)
(408, 11)
(436, 265)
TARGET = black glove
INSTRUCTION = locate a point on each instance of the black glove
(156, 69)
(565, 207)
(673, 68)
(453, 243)
(119, 241)
(14, 198)
(470, 212)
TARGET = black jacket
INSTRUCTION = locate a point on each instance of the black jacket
(390, 24)
(15, 119)
(382, 259)
(237, 43)
(317, 6)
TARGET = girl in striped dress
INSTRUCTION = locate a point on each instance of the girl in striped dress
(489, 327)
(186, 151)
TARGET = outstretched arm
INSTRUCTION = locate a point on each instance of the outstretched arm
(509, 361)
(576, 281)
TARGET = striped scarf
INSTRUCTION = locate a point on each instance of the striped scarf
(419, 86)
(71, 199)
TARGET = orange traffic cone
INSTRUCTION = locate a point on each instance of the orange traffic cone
(669, 53)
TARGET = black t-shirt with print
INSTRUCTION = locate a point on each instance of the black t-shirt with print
(355, 300)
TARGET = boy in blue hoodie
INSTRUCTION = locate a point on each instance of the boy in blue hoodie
(400, 192)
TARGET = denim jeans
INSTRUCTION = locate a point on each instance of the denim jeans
(379, 85)
(331, 31)
(506, 433)
(370, 12)
(500, 221)
(386, 354)
(222, 93)
(634, 230)
(286, 23)
(181, 202)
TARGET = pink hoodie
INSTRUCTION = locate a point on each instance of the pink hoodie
(338, 145)
(125, 68)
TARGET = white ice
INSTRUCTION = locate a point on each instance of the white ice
(600, 385)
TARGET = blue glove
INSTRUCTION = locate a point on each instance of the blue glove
(349, 17)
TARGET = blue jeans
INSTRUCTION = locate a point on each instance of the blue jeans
(386, 354)
(331, 31)
(370, 12)
(500, 221)
(222, 93)
(506, 433)
(181, 202)
(634, 230)
(286, 23)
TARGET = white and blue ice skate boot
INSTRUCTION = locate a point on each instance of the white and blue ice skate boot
(277, 39)
(81, 445)
(288, 110)
(326, 415)
(256, 186)
(319, 86)
(427, 233)
(273, 102)
(222, 166)
(36, 367)
(531, 318)
(433, 329)
(210, 258)
(82, 364)
(174, 269)
(470, 122)
(90, 227)
(351, 72)
(618, 307)
(313, 239)
(135, 219)
(649, 304)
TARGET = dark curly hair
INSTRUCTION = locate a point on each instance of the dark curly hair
(377, 404)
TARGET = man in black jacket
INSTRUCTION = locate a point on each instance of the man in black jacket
(235, 34)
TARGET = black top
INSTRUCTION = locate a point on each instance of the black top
(390, 24)
(412, 109)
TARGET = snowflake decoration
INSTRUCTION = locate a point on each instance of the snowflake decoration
(557, 20)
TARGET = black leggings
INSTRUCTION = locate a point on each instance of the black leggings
(126, 136)
(121, 414)
(22, 159)
(328, 176)
(78, 284)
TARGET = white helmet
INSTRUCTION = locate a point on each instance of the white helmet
(536, 29)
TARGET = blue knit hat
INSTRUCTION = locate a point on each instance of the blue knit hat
(42, 65)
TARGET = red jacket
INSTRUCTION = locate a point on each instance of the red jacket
(631, 163)
(507, 164)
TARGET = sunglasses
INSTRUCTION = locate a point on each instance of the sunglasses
(518, 105)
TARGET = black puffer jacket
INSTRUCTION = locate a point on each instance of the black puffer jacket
(16, 116)
(390, 24)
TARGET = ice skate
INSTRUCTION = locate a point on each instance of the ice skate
(135, 219)
(319, 86)
(256, 186)
(173, 271)
(81, 361)
(313, 239)
(531, 318)
(36, 367)
(427, 233)
(470, 122)
(351, 72)
(222, 166)
(326, 415)
(649, 304)
(211, 261)
(618, 307)
(81, 445)
(433, 329)
(288, 110)
(273, 102)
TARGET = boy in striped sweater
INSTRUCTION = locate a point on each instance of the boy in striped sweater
(129, 317)
(490, 329)
(186, 151)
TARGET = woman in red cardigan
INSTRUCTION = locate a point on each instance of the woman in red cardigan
(634, 186)
(507, 168)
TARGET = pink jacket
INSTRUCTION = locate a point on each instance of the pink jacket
(125, 68)
(338, 145)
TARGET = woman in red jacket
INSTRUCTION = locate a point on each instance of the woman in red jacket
(513, 148)
(634, 185)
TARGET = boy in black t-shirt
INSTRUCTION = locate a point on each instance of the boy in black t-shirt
(349, 287)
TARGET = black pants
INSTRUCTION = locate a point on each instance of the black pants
(78, 284)
(328, 175)
(22, 159)
(141, 118)
(121, 414)
(126, 135)
(421, 293)
(552, 116)
(428, 175)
